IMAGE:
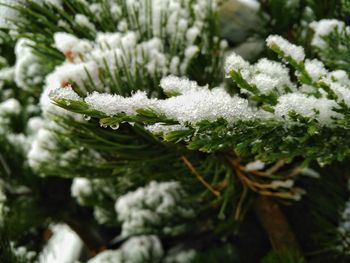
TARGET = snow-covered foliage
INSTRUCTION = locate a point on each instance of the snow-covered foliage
(7, 14)
(47, 148)
(92, 191)
(44, 144)
(330, 41)
(29, 74)
(268, 96)
(23, 253)
(152, 209)
(289, 50)
(272, 78)
(63, 247)
(194, 104)
(8, 109)
(141, 249)
(138, 124)
(80, 187)
(136, 249)
(145, 46)
(324, 28)
(344, 230)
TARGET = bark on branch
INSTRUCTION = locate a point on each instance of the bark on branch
(87, 234)
(276, 225)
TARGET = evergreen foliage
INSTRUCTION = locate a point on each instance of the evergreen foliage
(156, 139)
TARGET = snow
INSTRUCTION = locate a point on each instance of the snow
(290, 50)
(28, 72)
(66, 43)
(108, 256)
(117, 50)
(162, 129)
(80, 188)
(205, 104)
(114, 104)
(195, 105)
(161, 51)
(307, 171)
(340, 90)
(266, 75)
(53, 84)
(75, 73)
(10, 106)
(65, 93)
(344, 230)
(23, 253)
(235, 62)
(323, 28)
(315, 69)
(63, 247)
(19, 141)
(84, 21)
(7, 13)
(275, 184)
(34, 124)
(138, 249)
(265, 83)
(275, 70)
(191, 34)
(6, 74)
(254, 166)
(102, 216)
(56, 3)
(253, 5)
(307, 106)
(340, 76)
(174, 65)
(191, 51)
(173, 84)
(147, 208)
(41, 148)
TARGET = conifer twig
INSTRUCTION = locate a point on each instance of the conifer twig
(199, 177)
(268, 211)
(243, 196)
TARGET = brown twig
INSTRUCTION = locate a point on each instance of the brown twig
(238, 212)
(267, 210)
(199, 177)
(276, 167)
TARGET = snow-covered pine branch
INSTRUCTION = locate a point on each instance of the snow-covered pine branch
(331, 40)
(317, 101)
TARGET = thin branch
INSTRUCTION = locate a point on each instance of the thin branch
(238, 211)
(199, 177)
(87, 234)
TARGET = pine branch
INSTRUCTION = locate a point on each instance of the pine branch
(89, 235)
(276, 225)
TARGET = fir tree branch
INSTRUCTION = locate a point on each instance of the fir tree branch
(87, 234)
(276, 225)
